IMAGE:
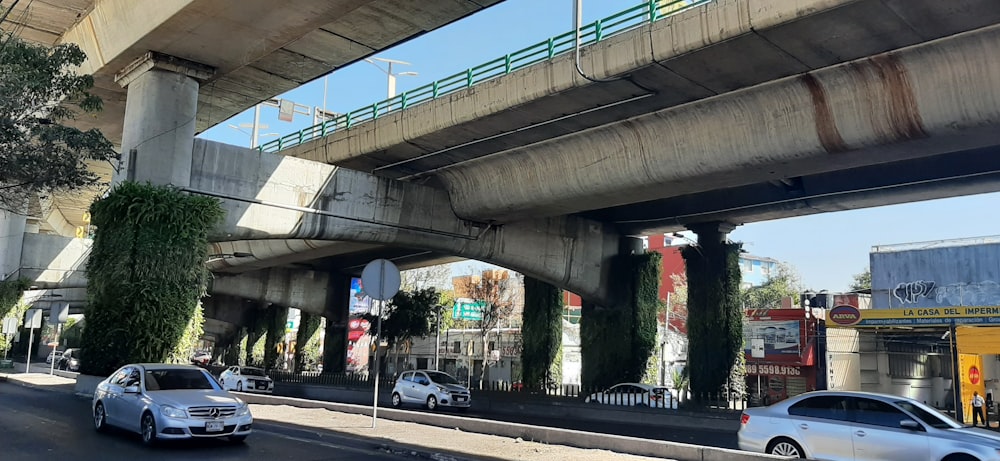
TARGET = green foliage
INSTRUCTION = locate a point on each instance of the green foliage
(235, 347)
(410, 314)
(277, 319)
(768, 294)
(72, 333)
(189, 340)
(541, 332)
(862, 281)
(308, 327)
(10, 294)
(715, 314)
(146, 273)
(616, 342)
(556, 370)
(38, 153)
(17, 311)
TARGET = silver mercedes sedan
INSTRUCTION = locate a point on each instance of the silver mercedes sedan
(162, 402)
(840, 425)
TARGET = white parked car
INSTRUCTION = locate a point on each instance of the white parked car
(430, 388)
(246, 379)
(54, 355)
(161, 402)
(634, 395)
(841, 425)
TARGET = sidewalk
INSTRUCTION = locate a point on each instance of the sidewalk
(434, 441)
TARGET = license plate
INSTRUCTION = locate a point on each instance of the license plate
(261, 385)
(213, 426)
(459, 399)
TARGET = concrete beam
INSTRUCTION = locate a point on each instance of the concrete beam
(275, 197)
(911, 103)
(302, 289)
(51, 261)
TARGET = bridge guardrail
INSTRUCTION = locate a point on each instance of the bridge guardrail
(647, 12)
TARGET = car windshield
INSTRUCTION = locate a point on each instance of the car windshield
(251, 372)
(928, 416)
(175, 379)
(441, 378)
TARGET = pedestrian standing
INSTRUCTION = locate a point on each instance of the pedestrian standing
(977, 409)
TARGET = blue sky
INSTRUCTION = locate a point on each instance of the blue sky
(825, 249)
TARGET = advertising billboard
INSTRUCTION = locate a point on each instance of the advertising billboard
(359, 303)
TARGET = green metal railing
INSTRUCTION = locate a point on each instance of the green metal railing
(644, 13)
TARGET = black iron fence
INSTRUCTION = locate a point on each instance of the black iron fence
(622, 395)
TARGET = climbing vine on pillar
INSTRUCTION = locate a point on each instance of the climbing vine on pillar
(10, 293)
(274, 342)
(715, 314)
(616, 342)
(541, 332)
(146, 273)
(308, 326)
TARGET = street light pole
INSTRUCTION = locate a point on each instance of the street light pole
(437, 343)
(391, 82)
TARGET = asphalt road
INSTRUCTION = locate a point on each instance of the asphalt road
(695, 436)
(44, 425)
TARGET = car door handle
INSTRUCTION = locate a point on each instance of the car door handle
(860, 433)
(804, 426)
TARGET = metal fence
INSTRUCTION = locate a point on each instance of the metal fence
(647, 12)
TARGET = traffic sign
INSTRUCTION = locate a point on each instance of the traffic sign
(468, 310)
(380, 279)
(33, 318)
(58, 313)
(9, 326)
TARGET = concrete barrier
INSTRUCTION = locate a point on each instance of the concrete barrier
(579, 439)
(87, 384)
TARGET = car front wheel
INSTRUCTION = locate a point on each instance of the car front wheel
(148, 425)
(100, 418)
(432, 402)
(785, 447)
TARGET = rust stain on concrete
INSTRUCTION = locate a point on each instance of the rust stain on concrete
(826, 126)
(903, 118)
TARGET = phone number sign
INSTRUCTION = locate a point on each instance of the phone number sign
(773, 370)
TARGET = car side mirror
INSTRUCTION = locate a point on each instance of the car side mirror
(133, 389)
(910, 424)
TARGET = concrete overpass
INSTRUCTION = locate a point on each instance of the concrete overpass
(735, 110)
(249, 49)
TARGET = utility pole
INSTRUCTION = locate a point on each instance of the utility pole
(437, 342)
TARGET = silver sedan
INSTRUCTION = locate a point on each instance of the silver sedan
(161, 402)
(834, 425)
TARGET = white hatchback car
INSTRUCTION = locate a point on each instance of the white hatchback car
(431, 389)
(835, 425)
(161, 401)
(246, 379)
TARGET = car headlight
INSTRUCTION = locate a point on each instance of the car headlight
(172, 412)
(443, 390)
(242, 410)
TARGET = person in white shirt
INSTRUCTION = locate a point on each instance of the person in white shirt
(977, 410)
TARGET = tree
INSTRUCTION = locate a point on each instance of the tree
(498, 293)
(768, 295)
(862, 281)
(425, 277)
(38, 153)
(410, 314)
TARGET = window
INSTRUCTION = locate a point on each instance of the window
(456, 347)
(879, 413)
(824, 407)
(178, 378)
(937, 421)
(493, 345)
(121, 376)
(408, 376)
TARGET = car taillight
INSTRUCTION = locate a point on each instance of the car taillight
(745, 418)
(654, 397)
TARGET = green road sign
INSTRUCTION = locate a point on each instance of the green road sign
(468, 311)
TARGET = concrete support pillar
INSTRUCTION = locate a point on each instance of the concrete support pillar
(12, 228)
(335, 339)
(277, 317)
(606, 331)
(160, 111)
(715, 313)
(256, 327)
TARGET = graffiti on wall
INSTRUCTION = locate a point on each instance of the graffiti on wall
(984, 293)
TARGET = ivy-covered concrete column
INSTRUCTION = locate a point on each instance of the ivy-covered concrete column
(256, 328)
(231, 356)
(337, 312)
(308, 325)
(277, 319)
(715, 315)
(616, 341)
(541, 332)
